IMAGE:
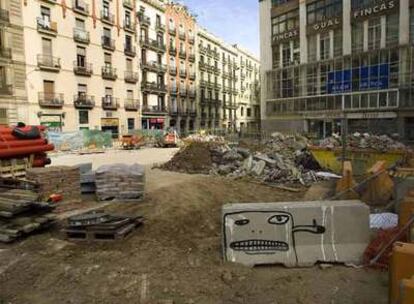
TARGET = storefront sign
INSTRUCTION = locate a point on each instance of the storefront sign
(157, 120)
(109, 122)
(374, 77)
(325, 25)
(286, 36)
(372, 115)
(375, 9)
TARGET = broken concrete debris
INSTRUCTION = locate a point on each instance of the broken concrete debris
(100, 226)
(295, 234)
(278, 160)
(120, 182)
(21, 214)
(382, 143)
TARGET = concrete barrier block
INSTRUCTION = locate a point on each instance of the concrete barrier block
(295, 234)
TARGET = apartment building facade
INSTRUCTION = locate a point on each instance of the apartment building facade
(182, 78)
(151, 16)
(81, 64)
(333, 62)
(13, 97)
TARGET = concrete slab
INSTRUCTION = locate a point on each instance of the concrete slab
(295, 234)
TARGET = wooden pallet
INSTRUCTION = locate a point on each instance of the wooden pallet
(14, 168)
(112, 231)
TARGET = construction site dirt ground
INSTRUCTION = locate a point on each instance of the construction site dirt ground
(175, 257)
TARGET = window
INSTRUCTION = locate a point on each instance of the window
(249, 112)
(81, 56)
(128, 42)
(323, 9)
(392, 29)
(312, 48)
(105, 5)
(108, 60)
(45, 13)
(374, 33)
(129, 65)
(412, 24)
(128, 19)
(131, 123)
(158, 20)
(83, 117)
(337, 43)
(286, 54)
(107, 32)
(285, 22)
(357, 37)
(80, 24)
(241, 111)
(3, 81)
(325, 46)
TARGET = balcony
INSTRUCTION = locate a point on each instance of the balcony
(51, 100)
(81, 36)
(182, 54)
(48, 63)
(5, 53)
(172, 51)
(156, 46)
(160, 27)
(202, 65)
(203, 50)
(108, 43)
(131, 77)
(192, 75)
(217, 86)
(51, 1)
(128, 4)
(159, 109)
(80, 7)
(191, 39)
(129, 26)
(46, 27)
(83, 101)
(109, 73)
(174, 90)
(131, 104)
(173, 110)
(181, 34)
(84, 69)
(130, 50)
(144, 20)
(107, 18)
(110, 103)
(173, 70)
(4, 16)
(216, 70)
(191, 57)
(183, 73)
(154, 66)
(192, 93)
(153, 87)
(183, 92)
(6, 89)
(192, 113)
(183, 112)
(172, 30)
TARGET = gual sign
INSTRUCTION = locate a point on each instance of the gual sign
(325, 25)
(377, 8)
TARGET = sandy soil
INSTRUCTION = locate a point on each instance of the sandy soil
(174, 258)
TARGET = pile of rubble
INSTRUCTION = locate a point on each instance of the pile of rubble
(382, 143)
(204, 138)
(282, 159)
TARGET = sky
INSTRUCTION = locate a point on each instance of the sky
(235, 21)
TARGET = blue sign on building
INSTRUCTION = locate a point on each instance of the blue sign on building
(374, 77)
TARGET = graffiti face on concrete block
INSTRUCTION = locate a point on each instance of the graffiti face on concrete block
(290, 236)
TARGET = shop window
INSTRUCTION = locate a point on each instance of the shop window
(131, 123)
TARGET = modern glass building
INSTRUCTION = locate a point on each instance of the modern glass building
(324, 61)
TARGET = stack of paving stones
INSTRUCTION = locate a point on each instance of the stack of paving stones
(87, 178)
(120, 183)
(57, 180)
(21, 214)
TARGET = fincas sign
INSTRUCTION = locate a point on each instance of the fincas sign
(286, 35)
(374, 9)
